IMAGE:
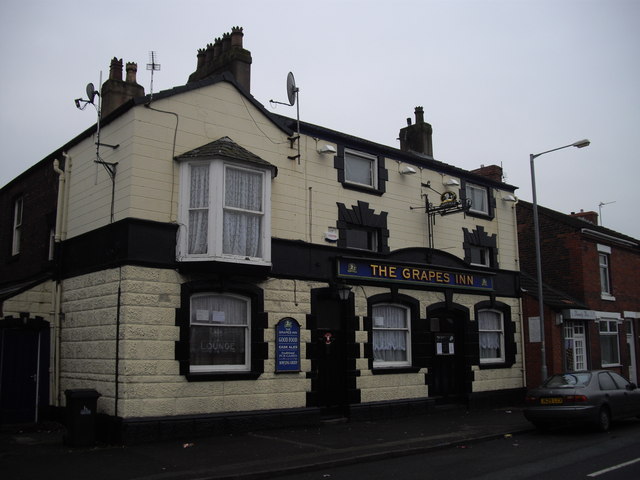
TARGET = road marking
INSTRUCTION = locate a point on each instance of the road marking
(615, 467)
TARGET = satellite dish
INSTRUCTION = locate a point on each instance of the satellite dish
(292, 90)
(91, 92)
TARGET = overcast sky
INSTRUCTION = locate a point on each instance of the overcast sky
(498, 79)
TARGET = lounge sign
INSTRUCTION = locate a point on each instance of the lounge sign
(412, 274)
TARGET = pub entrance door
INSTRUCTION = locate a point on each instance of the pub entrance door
(449, 379)
(329, 337)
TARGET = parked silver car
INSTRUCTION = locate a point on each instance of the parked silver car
(592, 397)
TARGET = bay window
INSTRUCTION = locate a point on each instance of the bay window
(225, 211)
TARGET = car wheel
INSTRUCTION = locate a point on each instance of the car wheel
(604, 419)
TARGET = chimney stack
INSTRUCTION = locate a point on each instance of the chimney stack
(492, 172)
(417, 138)
(115, 91)
(225, 55)
(591, 217)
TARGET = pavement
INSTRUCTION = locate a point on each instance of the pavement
(39, 453)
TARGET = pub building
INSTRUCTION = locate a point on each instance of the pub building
(218, 267)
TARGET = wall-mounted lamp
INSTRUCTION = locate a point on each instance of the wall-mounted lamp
(343, 292)
(326, 149)
(451, 182)
(407, 170)
(510, 198)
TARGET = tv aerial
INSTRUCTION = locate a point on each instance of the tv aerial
(153, 66)
(600, 205)
(292, 96)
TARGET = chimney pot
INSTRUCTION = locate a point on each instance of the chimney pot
(115, 69)
(132, 70)
(201, 58)
(419, 115)
(217, 47)
(236, 37)
(226, 42)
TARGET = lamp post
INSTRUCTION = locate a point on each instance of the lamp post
(536, 228)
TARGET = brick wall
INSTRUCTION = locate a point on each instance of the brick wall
(39, 189)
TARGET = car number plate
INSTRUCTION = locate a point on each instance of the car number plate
(551, 401)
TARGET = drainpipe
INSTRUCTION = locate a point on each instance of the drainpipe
(56, 292)
(65, 208)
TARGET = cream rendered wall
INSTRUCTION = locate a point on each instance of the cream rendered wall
(304, 194)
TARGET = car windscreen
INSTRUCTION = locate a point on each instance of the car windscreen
(567, 380)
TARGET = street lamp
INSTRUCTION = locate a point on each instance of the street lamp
(536, 228)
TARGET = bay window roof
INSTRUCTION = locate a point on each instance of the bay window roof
(226, 148)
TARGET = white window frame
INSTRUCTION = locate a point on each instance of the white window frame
(18, 209)
(483, 250)
(193, 321)
(372, 160)
(608, 328)
(469, 188)
(604, 268)
(378, 326)
(500, 331)
(215, 213)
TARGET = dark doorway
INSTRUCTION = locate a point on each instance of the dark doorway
(330, 351)
(24, 376)
(448, 378)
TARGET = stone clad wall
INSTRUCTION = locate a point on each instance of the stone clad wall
(149, 381)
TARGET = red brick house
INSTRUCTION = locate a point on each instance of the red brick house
(591, 294)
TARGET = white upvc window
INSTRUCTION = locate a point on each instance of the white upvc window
(604, 262)
(360, 168)
(391, 335)
(225, 212)
(17, 226)
(491, 336)
(609, 342)
(219, 333)
(479, 198)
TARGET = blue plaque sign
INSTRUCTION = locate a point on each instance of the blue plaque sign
(287, 345)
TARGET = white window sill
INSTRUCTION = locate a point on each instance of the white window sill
(606, 296)
(246, 260)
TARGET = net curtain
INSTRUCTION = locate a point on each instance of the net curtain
(219, 329)
(198, 209)
(390, 333)
(490, 341)
(243, 212)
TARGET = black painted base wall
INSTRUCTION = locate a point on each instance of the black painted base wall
(153, 429)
